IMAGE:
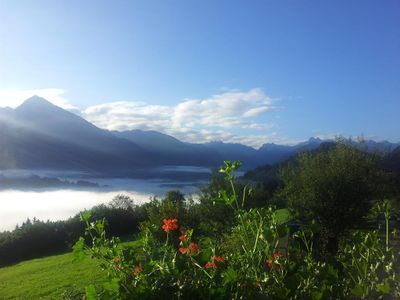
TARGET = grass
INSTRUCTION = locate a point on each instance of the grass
(53, 277)
(49, 278)
(58, 277)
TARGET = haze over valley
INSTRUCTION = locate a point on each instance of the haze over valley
(54, 163)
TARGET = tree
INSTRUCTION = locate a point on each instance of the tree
(175, 196)
(334, 187)
(122, 201)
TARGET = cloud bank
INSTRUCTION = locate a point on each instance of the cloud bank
(231, 117)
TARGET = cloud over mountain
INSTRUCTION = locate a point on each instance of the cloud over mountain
(14, 98)
(219, 117)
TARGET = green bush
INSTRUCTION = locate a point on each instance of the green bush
(254, 258)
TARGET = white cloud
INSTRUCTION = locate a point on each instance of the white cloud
(223, 110)
(192, 120)
(218, 117)
(124, 115)
(255, 111)
(14, 98)
(206, 135)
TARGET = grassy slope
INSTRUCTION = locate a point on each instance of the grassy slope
(53, 276)
(48, 278)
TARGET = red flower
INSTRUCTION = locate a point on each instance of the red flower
(170, 224)
(210, 264)
(183, 250)
(137, 270)
(184, 237)
(194, 248)
(269, 262)
(276, 255)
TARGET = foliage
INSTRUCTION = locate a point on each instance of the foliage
(37, 238)
(368, 267)
(255, 257)
(335, 188)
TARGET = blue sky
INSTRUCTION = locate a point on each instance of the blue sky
(240, 71)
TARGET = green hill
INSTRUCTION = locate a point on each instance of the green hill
(53, 277)
(49, 278)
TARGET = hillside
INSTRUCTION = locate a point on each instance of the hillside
(52, 277)
(171, 150)
(49, 278)
(40, 135)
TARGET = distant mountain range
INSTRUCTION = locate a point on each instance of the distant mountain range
(40, 135)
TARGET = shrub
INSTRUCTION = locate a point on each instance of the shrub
(255, 258)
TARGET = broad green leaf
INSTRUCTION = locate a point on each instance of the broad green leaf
(358, 290)
(384, 287)
(205, 255)
(229, 275)
(90, 292)
(85, 216)
(268, 235)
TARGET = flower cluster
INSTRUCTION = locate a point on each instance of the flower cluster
(170, 224)
(137, 270)
(192, 249)
(274, 258)
(211, 264)
(184, 236)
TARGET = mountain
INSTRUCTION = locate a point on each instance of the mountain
(311, 144)
(43, 117)
(38, 134)
(270, 153)
(268, 173)
(383, 147)
(233, 151)
(170, 150)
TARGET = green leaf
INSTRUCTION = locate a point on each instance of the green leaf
(282, 231)
(205, 255)
(236, 164)
(384, 287)
(90, 292)
(269, 235)
(99, 226)
(112, 286)
(225, 198)
(78, 250)
(317, 295)
(358, 290)
(229, 275)
(85, 216)
(331, 272)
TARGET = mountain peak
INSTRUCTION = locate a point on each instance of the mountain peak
(36, 101)
(314, 140)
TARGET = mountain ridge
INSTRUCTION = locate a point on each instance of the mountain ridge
(39, 134)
